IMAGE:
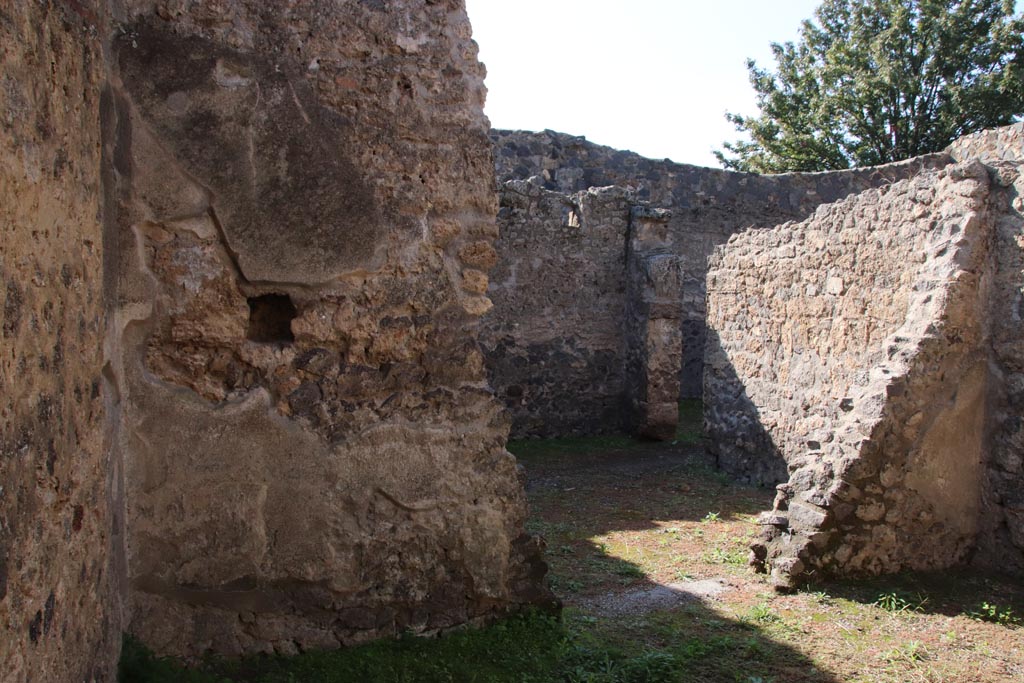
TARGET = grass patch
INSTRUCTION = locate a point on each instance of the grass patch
(995, 614)
(534, 648)
(896, 602)
(761, 613)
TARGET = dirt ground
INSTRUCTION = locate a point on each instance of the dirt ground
(647, 546)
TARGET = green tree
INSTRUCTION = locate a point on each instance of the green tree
(874, 81)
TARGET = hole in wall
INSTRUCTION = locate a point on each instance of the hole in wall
(270, 319)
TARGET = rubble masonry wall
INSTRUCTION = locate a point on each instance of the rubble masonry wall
(313, 456)
(559, 286)
(59, 611)
(868, 359)
(247, 255)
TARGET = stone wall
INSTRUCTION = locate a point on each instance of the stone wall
(706, 207)
(1001, 542)
(554, 341)
(851, 360)
(313, 455)
(653, 333)
(59, 614)
(1001, 538)
(990, 146)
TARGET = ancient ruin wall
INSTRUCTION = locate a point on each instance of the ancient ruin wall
(59, 617)
(1004, 144)
(1001, 541)
(850, 353)
(554, 341)
(313, 455)
(539, 246)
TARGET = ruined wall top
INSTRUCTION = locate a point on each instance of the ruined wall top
(999, 144)
(569, 163)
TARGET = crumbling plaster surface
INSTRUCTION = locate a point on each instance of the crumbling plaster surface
(59, 611)
(347, 479)
(851, 359)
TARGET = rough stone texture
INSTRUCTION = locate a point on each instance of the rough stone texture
(1001, 542)
(554, 342)
(802, 314)
(59, 615)
(851, 359)
(991, 146)
(653, 334)
(313, 456)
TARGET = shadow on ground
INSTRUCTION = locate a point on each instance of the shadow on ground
(954, 592)
(641, 539)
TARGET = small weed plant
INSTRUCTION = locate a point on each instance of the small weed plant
(988, 611)
(762, 614)
(737, 558)
(911, 653)
(898, 603)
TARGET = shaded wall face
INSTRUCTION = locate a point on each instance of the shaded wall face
(59, 618)
(851, 350)
(554, 344)
(313, 456)
(1002, 539)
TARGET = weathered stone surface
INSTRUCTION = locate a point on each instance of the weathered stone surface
(274, 161)
(246, 262)
(555, 342)
(59, 524)
(654, 344)
(559, 340)
(1001, 543)
(859, 367)
(991, 146)
(705, 206)
(313, 456)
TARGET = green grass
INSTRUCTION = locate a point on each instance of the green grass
(533, 648)
(895, 601)
(992, 612)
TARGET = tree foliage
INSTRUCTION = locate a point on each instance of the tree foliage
(874, 81)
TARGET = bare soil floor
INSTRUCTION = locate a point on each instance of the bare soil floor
(647, 545)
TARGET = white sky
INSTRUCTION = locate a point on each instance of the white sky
(652, 76)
